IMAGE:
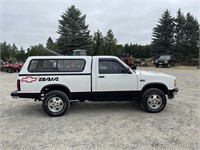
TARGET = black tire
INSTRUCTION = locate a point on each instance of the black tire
(168, 65)
(156, 66)
(56, 103)
(9, 70)
(19, 69)
(153, 100)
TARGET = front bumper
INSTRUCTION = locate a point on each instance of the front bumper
(161, 63)
(172, 93)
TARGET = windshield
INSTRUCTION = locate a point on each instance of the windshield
(165, 57)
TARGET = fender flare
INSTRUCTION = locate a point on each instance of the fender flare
(158, 85)
(64, 88)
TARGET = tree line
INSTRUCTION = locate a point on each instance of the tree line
(178, 36)
(172, 35)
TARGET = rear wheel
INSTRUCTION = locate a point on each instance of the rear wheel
(153, 100)
(56, 103)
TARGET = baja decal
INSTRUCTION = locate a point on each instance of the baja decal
(29, 79)
(48, 79)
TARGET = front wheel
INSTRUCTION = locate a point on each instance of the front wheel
(157, 65)
(168, 65)
(56, 103)
(153, 100)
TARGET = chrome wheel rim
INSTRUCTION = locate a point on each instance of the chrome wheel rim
(55, 104)
(154, 101)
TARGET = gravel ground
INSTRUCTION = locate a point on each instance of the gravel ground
(107, 125)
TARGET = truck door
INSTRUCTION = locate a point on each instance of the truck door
(114, 80)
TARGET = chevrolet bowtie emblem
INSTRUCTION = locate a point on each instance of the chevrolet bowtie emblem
(29, 79)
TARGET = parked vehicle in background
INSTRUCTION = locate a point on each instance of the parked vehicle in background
(5, 66)
(165, 61)
(15, 67)
(128, 59)
(9, 67)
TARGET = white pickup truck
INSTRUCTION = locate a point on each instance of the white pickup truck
(59, 80)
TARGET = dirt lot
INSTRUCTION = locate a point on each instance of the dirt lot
(108, 125)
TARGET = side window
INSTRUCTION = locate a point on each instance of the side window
(49, 65)
(34, 65)
(59, 65)
(43, 65)
(71, 65)
(110, 67)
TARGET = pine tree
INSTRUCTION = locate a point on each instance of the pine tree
(110, 43)
(119, 49)
(37, 50)
(163, 35)
(21, 55)
(50, 44)
(5, 51)
(179, 34)
(74, 33)
(97, 44)
(191, 38)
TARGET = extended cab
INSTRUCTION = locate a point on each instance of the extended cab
(59, 80)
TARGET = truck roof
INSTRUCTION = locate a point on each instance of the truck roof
(57, 57)
(72, 57)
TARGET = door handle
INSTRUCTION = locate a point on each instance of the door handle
(101, 76)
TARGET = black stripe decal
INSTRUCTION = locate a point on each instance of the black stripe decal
(80, 74)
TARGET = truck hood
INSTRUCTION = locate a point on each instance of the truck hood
(149, 77)
(152, 73)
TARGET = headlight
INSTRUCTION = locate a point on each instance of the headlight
(166, 61)
(175, 82)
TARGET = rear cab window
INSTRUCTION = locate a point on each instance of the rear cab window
(56, 65)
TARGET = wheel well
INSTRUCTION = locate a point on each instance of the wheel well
(159, 86)
(53, 87)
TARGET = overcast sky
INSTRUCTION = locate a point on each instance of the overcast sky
(30, 22)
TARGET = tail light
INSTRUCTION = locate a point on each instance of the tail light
(18, 85)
